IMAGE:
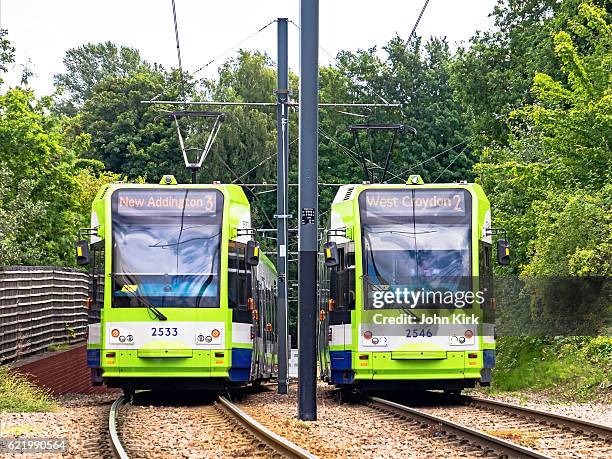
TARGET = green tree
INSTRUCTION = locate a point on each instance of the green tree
(7, 52)
(558, 160)
(418, 77)
(41, 181)
(493, 75)
(88, 65)
(245, 150)
(129, 137)
(19, 214)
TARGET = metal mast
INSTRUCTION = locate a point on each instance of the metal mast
(308, 208)
(282, 127)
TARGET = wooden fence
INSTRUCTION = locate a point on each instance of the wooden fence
(40, 306)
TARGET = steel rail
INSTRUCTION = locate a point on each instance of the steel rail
(600, 430)
(112, 428)
(275, 441)
(457, 430)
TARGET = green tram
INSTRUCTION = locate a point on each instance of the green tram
(181, 297)
(406, 292)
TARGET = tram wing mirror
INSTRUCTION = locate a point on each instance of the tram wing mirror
(252, 253)
(82, 252)
(330, 252)
(503, 252)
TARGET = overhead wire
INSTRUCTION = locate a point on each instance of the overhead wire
(248, 37)
(216, 57)
(260, 163)
(178, 51)
(450, 164)
(254, 195)
(353, 77)
(346, 70)
(353, 155)
(416, 24)
(346, 150)
(436, 155)
(237, 179)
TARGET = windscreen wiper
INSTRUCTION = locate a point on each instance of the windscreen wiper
(156, 312)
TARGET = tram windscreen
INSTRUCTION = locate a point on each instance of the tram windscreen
(166, 247)
(415, 240)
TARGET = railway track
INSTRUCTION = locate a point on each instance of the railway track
(236, 434)
(506, 430)
(586, 427)
(478, 426)
(276, 442)
(113, 415)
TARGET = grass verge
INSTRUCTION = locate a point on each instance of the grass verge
(17, 394)
(574, 368)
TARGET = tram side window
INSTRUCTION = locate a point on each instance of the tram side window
(485, 272)
(342, 278)
(486, 267)
(97, 275)
(239, 281)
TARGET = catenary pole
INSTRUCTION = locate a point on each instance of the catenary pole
(308, 208)
(282, 126)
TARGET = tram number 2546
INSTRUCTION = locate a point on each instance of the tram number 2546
(415, 333)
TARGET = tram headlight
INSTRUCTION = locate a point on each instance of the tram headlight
(468, 334)
(367, 334)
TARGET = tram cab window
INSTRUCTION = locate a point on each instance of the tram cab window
(342, 278)
(239, 281)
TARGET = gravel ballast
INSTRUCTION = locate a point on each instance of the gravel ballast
(342, 430)
(600, 413)
(80, 419)
(348, 430)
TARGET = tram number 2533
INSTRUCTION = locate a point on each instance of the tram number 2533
(164, 331)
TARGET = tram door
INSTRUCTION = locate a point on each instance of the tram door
(241, 292)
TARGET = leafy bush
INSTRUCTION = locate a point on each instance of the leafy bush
(574, 367)
(17, 394)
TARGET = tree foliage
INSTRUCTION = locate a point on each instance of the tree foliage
(494, 74)
(558, 159)
(88, 65)
(129, 137)
(40, 168)
(7, 52)
(19, 244)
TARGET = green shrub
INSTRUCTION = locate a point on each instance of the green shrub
(17, 394)
(573, 367)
